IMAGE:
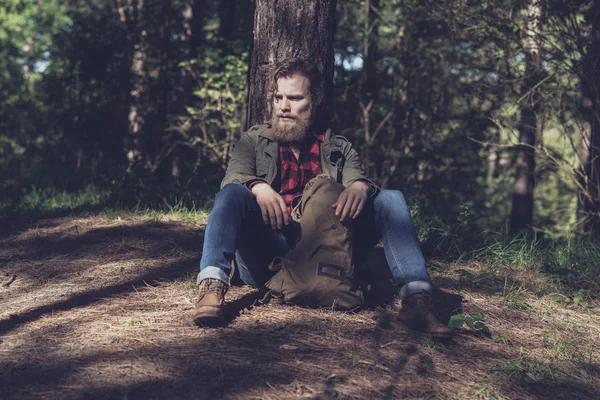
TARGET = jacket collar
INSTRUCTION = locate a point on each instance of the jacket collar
(272, 148)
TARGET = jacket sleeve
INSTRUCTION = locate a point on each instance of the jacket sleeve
(353, 170)
(242, 165)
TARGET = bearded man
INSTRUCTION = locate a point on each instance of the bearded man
(269, 167)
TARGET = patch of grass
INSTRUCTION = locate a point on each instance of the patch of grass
(519, 251)
(575, 262)
(501, 338)
(190, 285)
(177, 212)
(513, 298)
(531, 368)
(486, 393)
(572, 263)
(37, 199)
(566, 346)
(133, 321)
(51, 199)
(448, 236)
(174, 250)
(427, 342)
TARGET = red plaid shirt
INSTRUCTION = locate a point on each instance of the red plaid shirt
(294, 173)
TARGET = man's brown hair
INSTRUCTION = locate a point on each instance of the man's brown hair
(298, 66)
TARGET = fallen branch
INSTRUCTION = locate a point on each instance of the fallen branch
(10, 280)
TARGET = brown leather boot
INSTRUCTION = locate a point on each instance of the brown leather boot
(209, 306)
(418, 307)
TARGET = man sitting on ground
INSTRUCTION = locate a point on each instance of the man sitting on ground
(270, 166)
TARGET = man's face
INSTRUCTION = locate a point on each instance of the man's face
(292, 109)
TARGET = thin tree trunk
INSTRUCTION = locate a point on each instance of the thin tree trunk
(290, 28)
(522, 202)
(191, 38)
(160, 125)
(588, 210)
(246, 7)
(227, 11)
(369, 90)
(138, 83)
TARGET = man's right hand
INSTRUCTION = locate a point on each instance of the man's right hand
(273, 208)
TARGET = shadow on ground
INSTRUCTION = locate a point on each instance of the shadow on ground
(273, 351)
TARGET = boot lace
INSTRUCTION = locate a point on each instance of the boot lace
(420, 302)
(211, 286)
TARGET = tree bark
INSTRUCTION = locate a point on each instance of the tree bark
(290, 28)
(588, 207)
(522, 201)
(132, 17)
(370, 155)
(159, 127)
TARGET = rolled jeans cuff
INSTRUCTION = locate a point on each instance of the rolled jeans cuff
(213, 273)
(415, 287)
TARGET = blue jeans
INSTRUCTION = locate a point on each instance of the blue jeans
(235, 229)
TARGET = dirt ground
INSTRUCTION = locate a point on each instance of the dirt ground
(93, 306)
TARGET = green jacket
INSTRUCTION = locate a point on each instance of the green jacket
(256, 156)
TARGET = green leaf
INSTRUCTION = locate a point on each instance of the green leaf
(456, 321)
(469, 322)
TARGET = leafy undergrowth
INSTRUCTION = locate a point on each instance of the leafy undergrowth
(98, 306)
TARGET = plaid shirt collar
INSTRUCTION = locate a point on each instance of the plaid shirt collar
(319, 136)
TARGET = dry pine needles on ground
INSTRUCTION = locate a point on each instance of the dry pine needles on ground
(100, 307)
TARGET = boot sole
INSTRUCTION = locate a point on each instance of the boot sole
(207, 318)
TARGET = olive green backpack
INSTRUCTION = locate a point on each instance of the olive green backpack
(319, 270)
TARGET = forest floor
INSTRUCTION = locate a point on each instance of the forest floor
(96, 305)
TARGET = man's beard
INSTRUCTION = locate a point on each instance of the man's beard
(294, 131)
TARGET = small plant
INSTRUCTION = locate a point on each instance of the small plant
(190, 285)
(512, 298)
(579, 296)
(134, 321)
(485, 393)
(427, 342)
(174, 251)
(501, 338)
(474, 322)
(526, 367)
(545, 335)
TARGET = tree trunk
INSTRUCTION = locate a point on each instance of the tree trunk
(588, 208)
(158, 128)
(522, 202)
(247, 27)
(290, 28)
(138, 82)
(371, 156)
(227, 19)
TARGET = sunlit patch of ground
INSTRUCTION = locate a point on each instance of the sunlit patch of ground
(100, 307)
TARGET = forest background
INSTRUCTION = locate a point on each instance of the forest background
(483, 113)
(117, 118)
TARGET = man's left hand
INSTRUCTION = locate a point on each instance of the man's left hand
(352, 201)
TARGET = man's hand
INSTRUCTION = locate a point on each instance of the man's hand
(272, 207)
(352, 201)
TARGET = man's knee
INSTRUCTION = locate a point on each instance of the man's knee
(233, 192)
(391, 198)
